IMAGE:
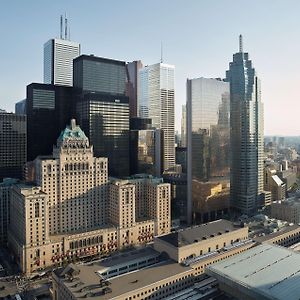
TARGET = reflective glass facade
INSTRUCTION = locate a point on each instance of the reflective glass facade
(146, 151)
(156, 96)
(105, 120)
(101, 75)
(246, 130)
(12, 145)
(49, 108)
(208, 133)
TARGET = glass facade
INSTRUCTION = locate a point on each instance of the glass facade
(146, 146)
(131, 85)
(246, 130)
(105, 120)
(12, 145)
(101, 75)
(208, 136)
(49, 108)
(156, 96)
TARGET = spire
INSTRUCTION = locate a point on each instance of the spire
(161, 52)
(240, 43)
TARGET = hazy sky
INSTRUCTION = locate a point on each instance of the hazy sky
(199, 38)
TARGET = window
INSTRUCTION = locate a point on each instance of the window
(37, 210)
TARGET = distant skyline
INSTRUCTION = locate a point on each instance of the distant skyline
(199, 38)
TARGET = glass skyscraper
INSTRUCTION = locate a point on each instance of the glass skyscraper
(156, 96)
(12, 145)
(246, 132)
(208, 117)
(102, 109)
(49, 108)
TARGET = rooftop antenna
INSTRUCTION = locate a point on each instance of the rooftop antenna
(66, 27)
(61, 26)
(161, 52)
(241, 43)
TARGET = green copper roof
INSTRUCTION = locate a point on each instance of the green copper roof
(72, 132)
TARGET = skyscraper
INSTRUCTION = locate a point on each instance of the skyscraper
(58, 58)
(12, 145)
(156, 96)
(132, 69)
(145, 147)
(5, 194)
(103, 109)
(246, 133)
(183, 126)
(207, 114)
(49, 109)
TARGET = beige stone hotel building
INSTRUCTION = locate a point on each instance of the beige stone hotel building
(73, 210)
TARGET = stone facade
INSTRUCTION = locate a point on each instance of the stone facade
(73, 210)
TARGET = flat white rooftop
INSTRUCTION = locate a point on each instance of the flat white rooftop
(262, 272)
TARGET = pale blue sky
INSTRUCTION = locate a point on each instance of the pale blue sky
(199, 38)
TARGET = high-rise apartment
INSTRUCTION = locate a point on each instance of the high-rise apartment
(73, 211)
(103, 109)
(12, 145)
(156, 96)
(207, 114)
(132, 69)
(246, 134)
(58, 61)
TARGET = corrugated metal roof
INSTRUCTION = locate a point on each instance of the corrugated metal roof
(270, 271)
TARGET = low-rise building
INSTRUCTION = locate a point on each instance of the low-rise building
(288, 210)
(274, 184)
(286, 237)
(263, 272)
(176, 263)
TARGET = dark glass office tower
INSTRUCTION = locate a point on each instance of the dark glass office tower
(132, 69)
(105, 120)
(12, 145)
(101, 75)
(246, 132)
(103, 109)
(49, 109)
(207, 114)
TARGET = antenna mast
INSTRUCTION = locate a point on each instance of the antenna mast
(66, 27)
(61, 27)
(161, 52)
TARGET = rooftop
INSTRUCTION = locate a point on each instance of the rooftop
(270, 236)
(289, 201)
(263, 272)
(123, 258)
(87, 281)
(72, 132)
(198, 233)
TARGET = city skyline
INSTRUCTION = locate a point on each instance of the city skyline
(207, 56)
